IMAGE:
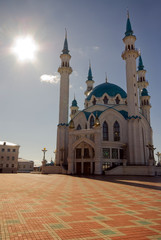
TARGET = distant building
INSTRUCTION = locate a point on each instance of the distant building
(8, 157)
(25, 166)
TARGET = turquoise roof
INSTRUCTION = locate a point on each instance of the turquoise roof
(74, 103)
(144, 92)
(90, 77)
(111, 89)
(65, 49)
(140, 66)
(129, 31)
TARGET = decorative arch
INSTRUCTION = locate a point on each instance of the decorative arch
(105, 131)
(116, 131)
(79, 127)
(105, 100)
(91, 121)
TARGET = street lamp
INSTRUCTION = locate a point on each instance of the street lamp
(158, 155)
(44, 151)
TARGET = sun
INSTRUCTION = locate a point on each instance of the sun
(25, 49)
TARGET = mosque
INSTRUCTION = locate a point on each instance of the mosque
(113, 133)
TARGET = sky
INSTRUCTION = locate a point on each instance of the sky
(95, 29)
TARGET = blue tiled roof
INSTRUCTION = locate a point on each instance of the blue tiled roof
(144, 92)
(141, 66)
(129, 31)
(111, 89)
(74, 103)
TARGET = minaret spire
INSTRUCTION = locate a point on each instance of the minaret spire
(129, 31)
(89, 81)
(65, 48)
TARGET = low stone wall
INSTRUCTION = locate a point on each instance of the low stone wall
(51, 169)
(135, 171)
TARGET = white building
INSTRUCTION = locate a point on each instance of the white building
(25, 166)
(113, 131)
(8, 157)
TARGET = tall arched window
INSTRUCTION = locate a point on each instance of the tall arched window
(105, 131)
(117, 100)
(79, 127)
(94, 101)
(105, 100)
(91, 121)
(116, 131)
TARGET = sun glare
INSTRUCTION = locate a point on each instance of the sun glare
(25, 49)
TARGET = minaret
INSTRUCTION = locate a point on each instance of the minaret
(129, 55)
(74, 108)
(65, 70)
(135, 143)
(89, 82)
(62, 131)
(142, 83)
(145, 104)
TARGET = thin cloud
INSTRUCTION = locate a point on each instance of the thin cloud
(96, 48)
(81, 88)
(53, 79)
(75, 73)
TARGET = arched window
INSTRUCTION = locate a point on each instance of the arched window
(128, 47)
(91, 122)
(117, 100)
(105, 100)
(147, 102)
(116, 131)
(132, 47)
(79, 127)
(63, 64)
(144, 102)
(105, 131)
(94, 101)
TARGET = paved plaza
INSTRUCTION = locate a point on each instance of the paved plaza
(35, 206)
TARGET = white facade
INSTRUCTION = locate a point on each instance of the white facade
(25, 166)
(8, 157)
(114, 128)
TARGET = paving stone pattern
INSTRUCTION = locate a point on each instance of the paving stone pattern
(35, 206)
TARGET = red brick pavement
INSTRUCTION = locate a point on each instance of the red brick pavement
(35, 206)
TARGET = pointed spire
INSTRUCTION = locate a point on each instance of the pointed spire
(74, 102)
(65, 49)
(90, 77)
(129, 31)
(140, 66)
(106, 78)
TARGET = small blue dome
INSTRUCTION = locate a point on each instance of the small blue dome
(144, 92)
(74, 103)
(111, 89)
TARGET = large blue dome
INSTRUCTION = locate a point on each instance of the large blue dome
(111, 89)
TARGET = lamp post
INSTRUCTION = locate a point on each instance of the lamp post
(44, 151)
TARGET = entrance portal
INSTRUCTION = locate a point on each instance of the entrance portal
(78, 168)
(87, 168)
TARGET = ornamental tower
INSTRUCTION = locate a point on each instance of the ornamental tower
(129, 55)
(142, 83)
(74, 108)
(145, 104)
(135, 138)
(62, 131)
(65, 70)
(89, 82)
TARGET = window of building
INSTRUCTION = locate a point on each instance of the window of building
(8, 150)
(2, 157)
(79, 127)
(7, 165)
(12, 165)
(114, 153)
(78, 153)
(14, 150)
(1, 165)
(73, 112)
(116, 130)
(105, 100)
(94, 101)
(117, 100)
(121, 153)
(13, 158)
(3, 149)
(105, 131)
(24, 166)
(86, 153)
(106, 153)
(8, 158)
(91, 122)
